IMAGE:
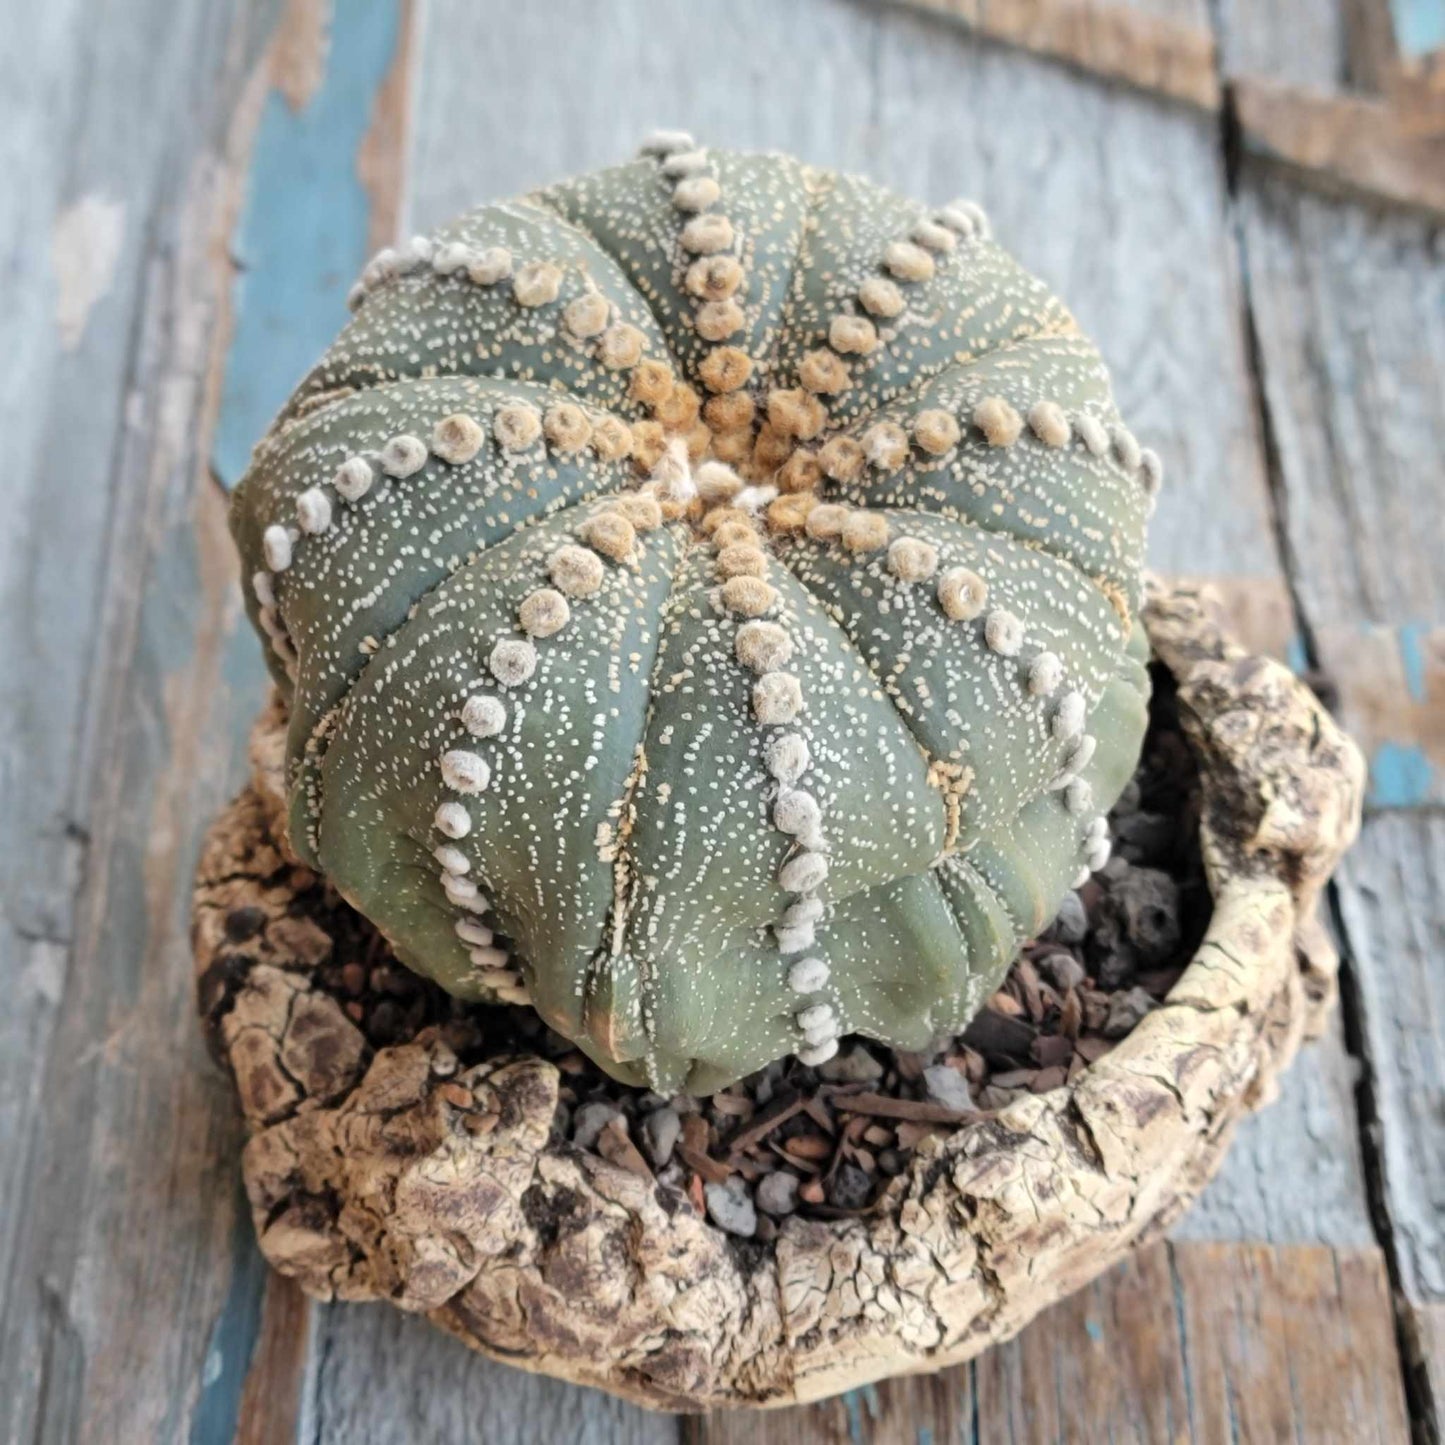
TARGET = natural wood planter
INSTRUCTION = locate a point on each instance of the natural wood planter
(365, 1184)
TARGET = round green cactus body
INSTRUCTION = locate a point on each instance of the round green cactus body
(706, 594)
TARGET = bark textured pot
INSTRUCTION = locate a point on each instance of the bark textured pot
(400, 1175)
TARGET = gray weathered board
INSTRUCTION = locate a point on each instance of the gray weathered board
(189, 188)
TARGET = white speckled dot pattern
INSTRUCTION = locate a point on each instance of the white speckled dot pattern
(706, 593)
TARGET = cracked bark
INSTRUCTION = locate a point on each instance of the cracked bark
(401, 1174)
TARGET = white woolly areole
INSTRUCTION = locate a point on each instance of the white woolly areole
(794, 937)
(403, 455)
(808, 975)
(815, 1016)
(353, 479)
(1069, 716)
(450, 257)
(313, 511)
(1003, 633)
(1080, 753)
(664, 142)
(493, 265)
(1046, 672)
(803, 874)
(452, 820)
(1092, 433)
(805, 910)
(962, 594)
(787, 756)
(513, 661)
(261, 586)
(762, 646)
(684, 163)
(484, 716)
(276, 547)
(777, 698)
(797, 812)
(819, 1053)
(456, 439)
(452, 860)
(464, 771)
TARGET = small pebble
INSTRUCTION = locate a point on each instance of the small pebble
(1072, 922)
(660, 1130)
(1061, 971)
(1125, 1012)
(850, 1187)
(777, 1193)
(731, 1209)
(590, 1120)
(947, 1086)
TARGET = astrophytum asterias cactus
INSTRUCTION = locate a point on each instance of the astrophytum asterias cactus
(706, 595)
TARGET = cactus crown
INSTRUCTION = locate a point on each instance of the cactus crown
(705, 593)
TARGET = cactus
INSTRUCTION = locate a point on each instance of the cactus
(706, 597)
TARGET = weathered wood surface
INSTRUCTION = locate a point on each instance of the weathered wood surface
(118, 688)
(1203, 1342)
(1349, 313)
(132, 1307)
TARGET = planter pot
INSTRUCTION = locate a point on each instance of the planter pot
(405, 1173)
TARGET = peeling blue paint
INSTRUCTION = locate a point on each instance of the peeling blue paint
(1419, 26)
(1295, 656)
(855, 1402)
(1094, 1329)
(1400, 776)
(233, 1338)
(1411, 637)
(302, 236)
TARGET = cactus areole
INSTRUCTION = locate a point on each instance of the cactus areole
(706, 596)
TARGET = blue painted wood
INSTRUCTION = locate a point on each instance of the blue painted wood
(302, 237)
(1419, 26)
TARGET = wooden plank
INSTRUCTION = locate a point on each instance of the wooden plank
(1392, 902)
(324, 192)
(118, 728)
(1166, 46)
(1349, 307)
(382, 1377)
(1106, 1364)
(324, 188)
(1359, 144)
(1349, 311)
(913, 1410)
(1289, 1344)
(1184, 1343)
(1301, 42)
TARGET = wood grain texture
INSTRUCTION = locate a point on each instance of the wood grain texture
(1349, 306)
(1392, 903)
(382, 1378)
(117, 1206)
(1290, 1345)
(134, 1305)
(1302, 42)
(1163, 46)
(1374, 147)
(1182, 1343)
